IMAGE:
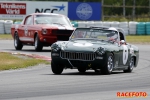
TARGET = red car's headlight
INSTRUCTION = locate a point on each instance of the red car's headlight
(44, 31)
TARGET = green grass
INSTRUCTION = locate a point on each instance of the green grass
(9, 61)
(6, 37)
(138, 39)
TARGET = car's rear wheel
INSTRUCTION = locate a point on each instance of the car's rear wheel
(56, 68)
(107, 69)
(130, 66)
(38, 44)
(81, 69)
(17, 43)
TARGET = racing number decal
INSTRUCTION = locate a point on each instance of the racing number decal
(26, 31)
(125, 54)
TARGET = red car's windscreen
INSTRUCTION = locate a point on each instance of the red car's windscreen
(52, 19)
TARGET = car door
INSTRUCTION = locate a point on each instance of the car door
(124, 55)
(28, 29)
(23, 29)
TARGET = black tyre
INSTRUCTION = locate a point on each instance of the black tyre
(17, 43)
(56, 69)
(130, 66)
(81, 69)
(38, 44)
(107, 69)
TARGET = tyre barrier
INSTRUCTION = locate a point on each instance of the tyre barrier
(132, 27)
(147, 28)
(125, 26)
(140, 28)
(7, 26)
(2, 31)
(98, 23)
(17, 22)
(107, 24)
(114, 24)
(82, 24)
(90, 24)
(74, 23)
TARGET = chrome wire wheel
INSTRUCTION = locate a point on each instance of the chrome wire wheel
(131, 65)
(108, 68)
(110, 63)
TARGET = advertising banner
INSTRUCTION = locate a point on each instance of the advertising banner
(48, 7)
(74, 10)
(12, 10)
(19, 9)
(84, 11)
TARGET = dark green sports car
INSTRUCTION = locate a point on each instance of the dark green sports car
(96, 48)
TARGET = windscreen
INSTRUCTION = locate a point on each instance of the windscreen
(95, 34)
(52, 19)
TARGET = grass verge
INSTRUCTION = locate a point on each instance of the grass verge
(6, 37)
(138, 39)
(9, 61)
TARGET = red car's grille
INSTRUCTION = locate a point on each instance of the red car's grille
(62, 35)
(62, 32)
(78, 56)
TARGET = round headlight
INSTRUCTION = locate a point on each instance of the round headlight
(100, 51)
(44, 31)
(55, 47)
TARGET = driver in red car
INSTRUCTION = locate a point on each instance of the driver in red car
(79, 34)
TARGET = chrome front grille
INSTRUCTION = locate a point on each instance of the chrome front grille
(78, 56)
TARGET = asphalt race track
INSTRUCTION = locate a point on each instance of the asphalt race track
(39, 83)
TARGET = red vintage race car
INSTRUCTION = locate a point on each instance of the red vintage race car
(41, 29)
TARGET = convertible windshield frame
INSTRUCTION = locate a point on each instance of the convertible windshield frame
(95, 34)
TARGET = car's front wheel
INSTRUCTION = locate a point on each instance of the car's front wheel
(17, 43)
(107, 69)
(56, 68)
(38, 44)
(130, 66)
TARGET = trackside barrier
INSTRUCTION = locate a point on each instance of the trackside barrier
(75, 24)
(107, 24)
(147, 28)
(98, 23)
(114, 24)
(132, 27)
(7, 26)
(140, 28)
(90, 23)
(125, 26)
(2, 31)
